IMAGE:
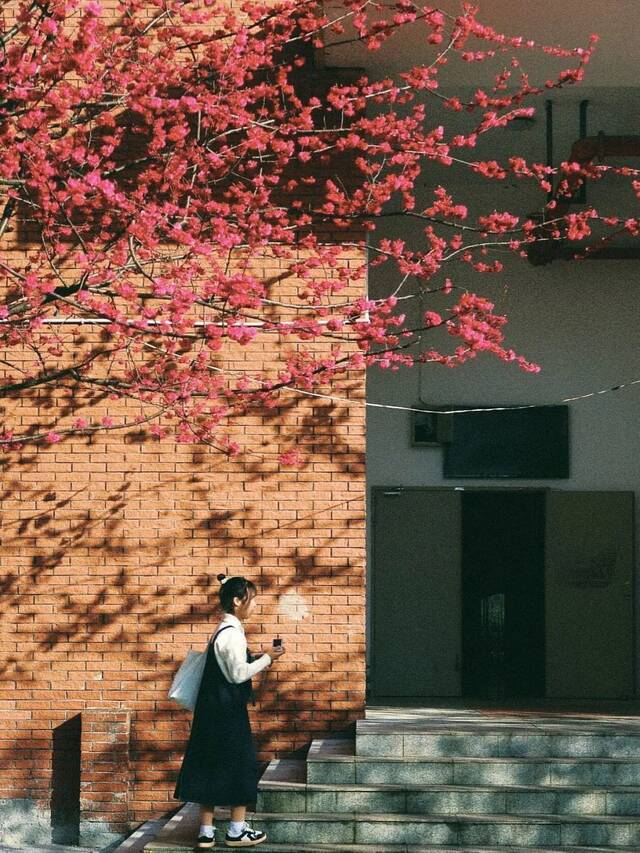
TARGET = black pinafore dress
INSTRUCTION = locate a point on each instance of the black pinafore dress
(219, 767)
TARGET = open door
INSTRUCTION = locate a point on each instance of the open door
(589, 594)
(503, 633)
(416, 593)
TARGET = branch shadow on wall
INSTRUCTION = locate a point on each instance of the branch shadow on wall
(101, 614)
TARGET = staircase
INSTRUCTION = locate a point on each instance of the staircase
(428, 780)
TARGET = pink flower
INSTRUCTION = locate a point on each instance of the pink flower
(242, 334)
(490, 169)
(49, 27)
(577, 225)
(432, 318)
(80, 423)
(53, 437)
(106, 421)
(498, 223)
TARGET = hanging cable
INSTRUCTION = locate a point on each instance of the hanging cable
(366, 403)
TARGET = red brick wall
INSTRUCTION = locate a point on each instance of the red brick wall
(110, 548)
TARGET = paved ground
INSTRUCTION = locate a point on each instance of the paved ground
(51, 848)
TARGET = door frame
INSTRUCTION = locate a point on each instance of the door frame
(372, 496)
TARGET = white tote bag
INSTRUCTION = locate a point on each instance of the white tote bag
(186, 683)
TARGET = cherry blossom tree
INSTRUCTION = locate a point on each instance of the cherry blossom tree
(154, 154)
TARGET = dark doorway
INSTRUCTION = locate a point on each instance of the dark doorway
(503, 631)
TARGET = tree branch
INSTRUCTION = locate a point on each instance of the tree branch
(7, 213)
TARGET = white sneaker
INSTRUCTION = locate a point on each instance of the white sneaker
(247, 838)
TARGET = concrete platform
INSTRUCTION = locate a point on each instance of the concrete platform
(543, 715)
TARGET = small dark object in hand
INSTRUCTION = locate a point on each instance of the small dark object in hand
(277, 643)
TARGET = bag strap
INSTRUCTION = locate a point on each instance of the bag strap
(213, 639)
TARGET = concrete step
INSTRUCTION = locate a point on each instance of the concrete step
(424, 738)
(283, 789)
(333, 761)
(465, 830)
(488, 834)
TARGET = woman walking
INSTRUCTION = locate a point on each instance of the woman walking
(219, 766)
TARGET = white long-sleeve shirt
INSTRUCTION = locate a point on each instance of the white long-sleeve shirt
(230, 649)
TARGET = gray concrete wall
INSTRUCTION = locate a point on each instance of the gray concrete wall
(579, 320)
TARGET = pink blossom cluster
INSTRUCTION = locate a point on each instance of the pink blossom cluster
(160, 159)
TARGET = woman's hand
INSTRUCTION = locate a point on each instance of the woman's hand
(275, 652)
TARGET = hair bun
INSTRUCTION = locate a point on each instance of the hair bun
(222, 578)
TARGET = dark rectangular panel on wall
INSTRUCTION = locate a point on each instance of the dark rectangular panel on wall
(415, 589)
(589, 594)
(528, 443)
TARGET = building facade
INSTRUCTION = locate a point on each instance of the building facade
(111, 543)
